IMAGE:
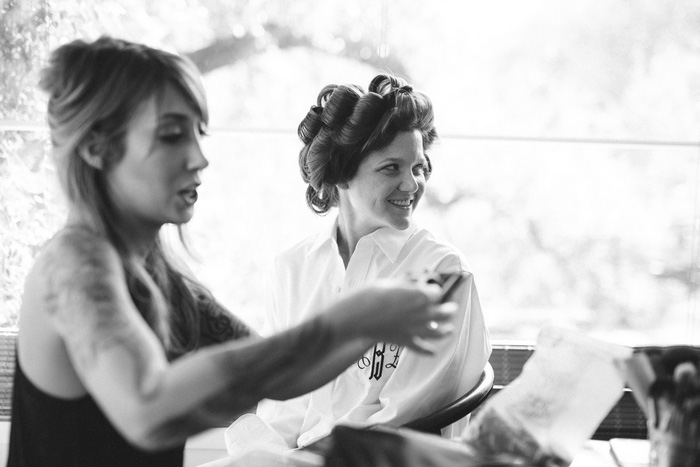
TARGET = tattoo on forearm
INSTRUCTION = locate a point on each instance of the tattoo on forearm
(274, 371)
(221, 409)
(218, 324)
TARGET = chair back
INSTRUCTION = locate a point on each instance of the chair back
(460, 408)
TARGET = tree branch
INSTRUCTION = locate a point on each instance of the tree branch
(228, 50)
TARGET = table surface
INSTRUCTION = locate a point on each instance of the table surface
(617, 452)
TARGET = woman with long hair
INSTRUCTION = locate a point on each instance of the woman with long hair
(122, 355)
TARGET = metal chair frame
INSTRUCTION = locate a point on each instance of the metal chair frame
(458, 409)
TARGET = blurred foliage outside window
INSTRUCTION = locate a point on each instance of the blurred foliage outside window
(567, 170)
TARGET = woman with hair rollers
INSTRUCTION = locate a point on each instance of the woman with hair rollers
(365, 153)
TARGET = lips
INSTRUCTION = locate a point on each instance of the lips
(189, 194)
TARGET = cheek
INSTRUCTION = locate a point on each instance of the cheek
(421, 186)
(163, 169)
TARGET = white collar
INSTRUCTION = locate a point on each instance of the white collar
(389, 240)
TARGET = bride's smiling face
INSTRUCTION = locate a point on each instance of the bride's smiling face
(387, 187)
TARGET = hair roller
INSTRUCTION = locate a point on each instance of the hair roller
(310, 126)
(365, 116)
(339, 105)
(325, 94)
(385, 84)
(304, 168)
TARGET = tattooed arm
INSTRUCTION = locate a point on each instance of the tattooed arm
(156, 404)
(217, 324)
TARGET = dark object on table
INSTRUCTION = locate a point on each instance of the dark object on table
(387, 447)
(666, 381)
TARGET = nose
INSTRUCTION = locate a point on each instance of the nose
(196, 159)
(409, 183)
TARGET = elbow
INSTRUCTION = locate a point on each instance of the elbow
(144, 442)
(139, 429)
(144, 422)
(146, 435)
(147, 428)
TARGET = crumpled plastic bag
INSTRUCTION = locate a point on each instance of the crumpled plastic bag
(566, 389)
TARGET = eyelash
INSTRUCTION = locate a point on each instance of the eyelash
(421, 168)
(175, 137)
(172, 138)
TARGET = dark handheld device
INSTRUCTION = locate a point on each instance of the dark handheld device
(448, 282)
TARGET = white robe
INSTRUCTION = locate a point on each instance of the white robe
(387, 385)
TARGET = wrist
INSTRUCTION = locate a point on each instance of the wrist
(348, 320)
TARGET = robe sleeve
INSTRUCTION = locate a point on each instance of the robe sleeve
(421, 384)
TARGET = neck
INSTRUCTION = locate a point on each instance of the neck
(138, 239)
(348, 235)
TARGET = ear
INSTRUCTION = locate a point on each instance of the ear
(91, 150)
(343, 186)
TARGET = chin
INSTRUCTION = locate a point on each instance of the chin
(403, 224)
(182, 218)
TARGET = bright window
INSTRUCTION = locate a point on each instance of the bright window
(567, 170)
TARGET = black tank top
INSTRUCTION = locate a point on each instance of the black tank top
(47, 431)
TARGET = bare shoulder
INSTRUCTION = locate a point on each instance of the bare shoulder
(79, 282)
(75, 271)
(77, 250)
(74, 260)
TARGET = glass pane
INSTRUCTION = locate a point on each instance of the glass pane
(598, 237)
(596, 69)
(24, 28)
(31, 209)
(558, 227)
(251, 206)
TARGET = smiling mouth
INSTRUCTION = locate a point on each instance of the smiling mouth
(401, 203)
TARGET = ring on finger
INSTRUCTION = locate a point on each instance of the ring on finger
(432, 325)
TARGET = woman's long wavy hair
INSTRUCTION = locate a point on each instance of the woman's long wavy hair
(347, 123)
(94, 90)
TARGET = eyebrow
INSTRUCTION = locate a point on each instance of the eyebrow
(390, 159)
(180, 117)
(422, 159)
